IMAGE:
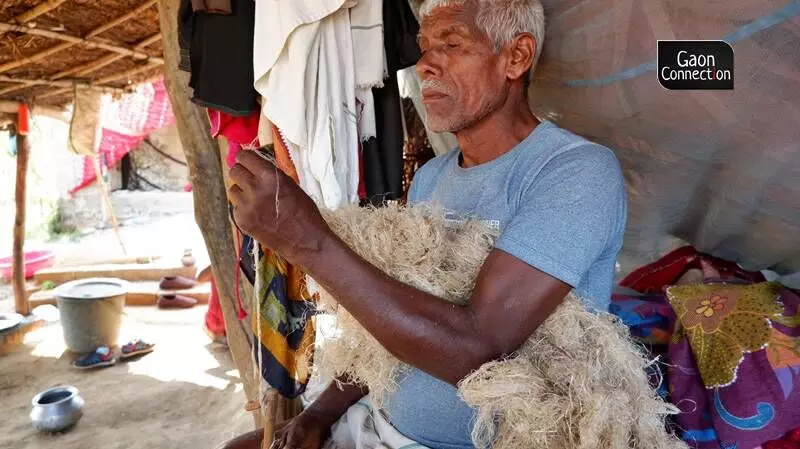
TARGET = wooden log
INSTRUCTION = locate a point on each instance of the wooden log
(210, 198)
(18, 257)
(139, 294)
(128, 272)
(86, 42)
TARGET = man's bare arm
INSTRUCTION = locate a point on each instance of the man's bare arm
(510, 301)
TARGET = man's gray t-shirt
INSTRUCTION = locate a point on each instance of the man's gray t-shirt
(559, 202)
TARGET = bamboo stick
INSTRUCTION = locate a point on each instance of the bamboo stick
(21, 304)
(104, 61)
(78, 41)
(35, 82)
(130, 15)
(110, 215)
(13, 64)
(104, 80)
(38, 10)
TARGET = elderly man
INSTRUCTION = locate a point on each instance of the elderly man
(558, 200)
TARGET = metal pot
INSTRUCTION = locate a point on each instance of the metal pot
(56, 409)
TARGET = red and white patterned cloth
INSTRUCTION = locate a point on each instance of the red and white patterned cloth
(126, 123)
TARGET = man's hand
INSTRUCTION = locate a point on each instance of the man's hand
(305, 431)
(271, 207)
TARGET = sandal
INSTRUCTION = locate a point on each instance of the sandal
(134, 348)
(101, 357)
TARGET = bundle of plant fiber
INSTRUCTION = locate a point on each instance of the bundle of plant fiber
(578, 382)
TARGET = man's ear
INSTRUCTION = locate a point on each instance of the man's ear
(522, 52)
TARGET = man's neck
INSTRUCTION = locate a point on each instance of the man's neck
(496, 134)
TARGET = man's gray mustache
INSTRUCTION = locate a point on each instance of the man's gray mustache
(435, 85)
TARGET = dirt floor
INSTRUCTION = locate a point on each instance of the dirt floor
(186, 394)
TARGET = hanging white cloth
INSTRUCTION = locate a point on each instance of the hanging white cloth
(304, 68)
(366, 24)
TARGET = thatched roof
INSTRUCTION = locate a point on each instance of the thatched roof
(50, 47)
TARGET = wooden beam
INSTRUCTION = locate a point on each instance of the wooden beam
(79, 41)
(58, 48)
(122, 19)
(38, 10)
(69, 84)
(104, 61)
(21, 304)
(104, 80)
(13, 64)
(210, 198)
(128, 272)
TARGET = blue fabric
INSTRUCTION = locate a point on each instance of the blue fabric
(560, 204)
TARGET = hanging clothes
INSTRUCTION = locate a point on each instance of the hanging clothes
(383, 156)
(306, 72)
(212, 6)
(240, 132)
(217, 49)
(283, 333)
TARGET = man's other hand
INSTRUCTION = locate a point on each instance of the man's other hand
(271, 207)
(305, 431)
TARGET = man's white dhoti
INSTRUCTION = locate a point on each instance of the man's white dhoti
(364, 426)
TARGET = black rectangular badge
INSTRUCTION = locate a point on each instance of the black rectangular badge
(695, 65)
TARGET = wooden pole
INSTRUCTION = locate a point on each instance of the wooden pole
(210, 198)
(79, 41)
(110, 215)
(21, 304)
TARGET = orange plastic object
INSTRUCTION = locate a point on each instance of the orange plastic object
(23, 119)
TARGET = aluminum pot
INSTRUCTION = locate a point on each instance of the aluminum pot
(56, 409)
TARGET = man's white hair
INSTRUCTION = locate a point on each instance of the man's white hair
(502, 20)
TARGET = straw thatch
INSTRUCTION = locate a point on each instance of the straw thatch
(47, 46)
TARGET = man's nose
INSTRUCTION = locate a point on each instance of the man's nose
(427, 66)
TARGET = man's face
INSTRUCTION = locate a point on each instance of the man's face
(463, 80)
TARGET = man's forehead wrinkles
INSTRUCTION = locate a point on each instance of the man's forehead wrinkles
(442, 32)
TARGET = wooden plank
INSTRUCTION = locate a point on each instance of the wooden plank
(128, 272)
(18, 280)
(140, 294)
(11, 339)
